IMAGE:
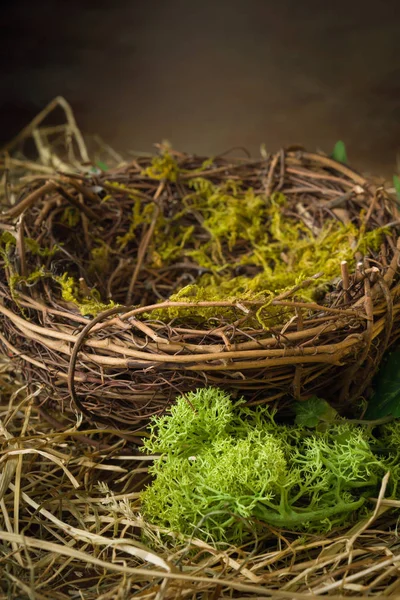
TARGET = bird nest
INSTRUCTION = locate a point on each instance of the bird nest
(276, 279)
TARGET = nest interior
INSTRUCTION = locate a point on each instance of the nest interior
(275, 278)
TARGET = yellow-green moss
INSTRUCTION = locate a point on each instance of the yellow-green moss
(370, 240)
(34, 248)
(115, 185)
(100, 258)
(71, 216)
(249, 229)
(141, 215)
(7, 243)
(251, 250)
(16, 280)
(165, 250)
(162, 167)
(90, 304)
(87, 305)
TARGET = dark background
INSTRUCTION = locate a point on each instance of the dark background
(212, 74)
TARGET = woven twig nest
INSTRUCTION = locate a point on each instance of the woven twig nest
(275, 279)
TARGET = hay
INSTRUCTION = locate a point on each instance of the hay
(71, 527)
(107, 231)
(45, 149)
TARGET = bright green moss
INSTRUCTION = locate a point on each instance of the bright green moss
(224, 470)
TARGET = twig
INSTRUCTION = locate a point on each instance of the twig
(346, 280)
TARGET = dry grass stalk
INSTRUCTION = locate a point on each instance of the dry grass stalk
(71, 526)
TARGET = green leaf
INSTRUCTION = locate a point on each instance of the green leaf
(396, 183)
(312, 411)
(339, 152)
(386, 398)
(102, 166)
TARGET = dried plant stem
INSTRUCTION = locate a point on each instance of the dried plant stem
(33, 125)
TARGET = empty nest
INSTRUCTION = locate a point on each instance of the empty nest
(274, 278)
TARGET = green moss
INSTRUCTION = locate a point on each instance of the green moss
(7, 245)
(34, 248)
(230, 215)
(16, 280)
(8, 241)
(87, 305)
(371, 240)
(250, 246)
(33, 277)
(237, 230)
(163, 167)
(166, 250)
(6, 238)
(141, 215)
(70, 292)
(71, 216)
(224, 470)
(249, 230)
(115, 185)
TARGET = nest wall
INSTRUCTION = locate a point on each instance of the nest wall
(276, 279)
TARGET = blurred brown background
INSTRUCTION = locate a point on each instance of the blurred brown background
(210, 75)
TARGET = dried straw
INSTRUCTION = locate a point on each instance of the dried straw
(71, 527)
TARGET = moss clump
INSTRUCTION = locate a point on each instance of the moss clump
(7, 248)
(16, 280)
(90, 304)
(251, 233)
(7, 245)
(8, 242)
(100, 258)
(224, 470)
(71, 216)
(87, 304)
(141, 215)
(163, 167)
(117, 186)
